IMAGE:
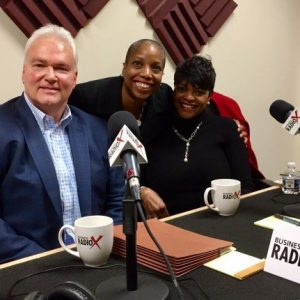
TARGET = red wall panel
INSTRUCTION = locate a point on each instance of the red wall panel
(185, 25)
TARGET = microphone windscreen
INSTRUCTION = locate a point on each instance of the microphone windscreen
(280, 110)
(118, 120)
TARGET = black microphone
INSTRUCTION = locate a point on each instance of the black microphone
(126, 149)
(286, 114)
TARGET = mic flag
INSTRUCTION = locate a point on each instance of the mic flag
(287, 114)
(124, 124)
(126, 140)
(292, 124)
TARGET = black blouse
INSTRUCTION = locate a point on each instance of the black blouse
(216, 151)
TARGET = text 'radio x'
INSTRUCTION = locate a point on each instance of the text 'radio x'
(96, 241)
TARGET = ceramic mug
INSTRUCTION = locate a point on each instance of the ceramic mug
(225, 194)
(93, 239)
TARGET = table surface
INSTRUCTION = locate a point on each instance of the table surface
(239, 229)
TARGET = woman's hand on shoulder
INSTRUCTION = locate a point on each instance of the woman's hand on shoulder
(153, 204)
(242, 131)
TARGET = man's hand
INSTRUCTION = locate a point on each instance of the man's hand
(153, 205)
(242, 131)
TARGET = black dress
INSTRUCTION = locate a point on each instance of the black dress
(216, 151)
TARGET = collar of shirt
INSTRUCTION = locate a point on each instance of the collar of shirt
(46, 122)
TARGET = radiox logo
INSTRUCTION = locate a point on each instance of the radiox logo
(90, 241)
(295, 116)
(234, 195)
(293, 120)
(116, 144)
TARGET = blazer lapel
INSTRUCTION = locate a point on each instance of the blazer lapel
(81, 160)
(40, 153)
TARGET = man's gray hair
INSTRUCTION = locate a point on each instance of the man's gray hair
(52, 30)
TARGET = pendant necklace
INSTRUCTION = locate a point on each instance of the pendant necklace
(187, 140)
(139, 119)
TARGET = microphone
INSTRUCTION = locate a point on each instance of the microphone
(126, 150)
(287, 114)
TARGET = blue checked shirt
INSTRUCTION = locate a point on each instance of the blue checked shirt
(58, 144)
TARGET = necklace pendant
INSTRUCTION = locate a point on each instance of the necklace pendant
(187, 140)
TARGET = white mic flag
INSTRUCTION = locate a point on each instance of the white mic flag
(292, 123)
(126, 140)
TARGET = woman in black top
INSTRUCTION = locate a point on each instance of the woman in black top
(196, 146)
(139, 90)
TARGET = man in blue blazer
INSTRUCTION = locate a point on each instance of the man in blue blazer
(53, 157)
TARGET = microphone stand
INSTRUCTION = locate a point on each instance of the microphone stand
(129, 229)
(150, 288)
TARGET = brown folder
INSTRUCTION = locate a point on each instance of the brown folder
(185, 250)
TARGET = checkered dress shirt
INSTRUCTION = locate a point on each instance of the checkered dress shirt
(58, 144)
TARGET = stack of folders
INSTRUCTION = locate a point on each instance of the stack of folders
(186, 250)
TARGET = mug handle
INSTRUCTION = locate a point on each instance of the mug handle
(61, 240)
(210, 206)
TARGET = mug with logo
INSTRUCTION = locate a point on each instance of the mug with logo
(93, 239)
(225, 195)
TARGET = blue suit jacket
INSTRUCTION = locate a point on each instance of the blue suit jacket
(30, 205)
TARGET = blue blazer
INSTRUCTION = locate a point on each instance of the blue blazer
(30, 205)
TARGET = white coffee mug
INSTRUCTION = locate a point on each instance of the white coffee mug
(225, 194)
(93, 239)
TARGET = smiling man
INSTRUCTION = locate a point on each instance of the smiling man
(49, 73)
(54, 166)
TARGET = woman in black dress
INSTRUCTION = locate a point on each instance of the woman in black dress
(196, 146)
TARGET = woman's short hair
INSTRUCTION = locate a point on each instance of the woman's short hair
(135, 45)
(197, 71)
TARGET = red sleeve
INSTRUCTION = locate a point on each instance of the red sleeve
(229, 108)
